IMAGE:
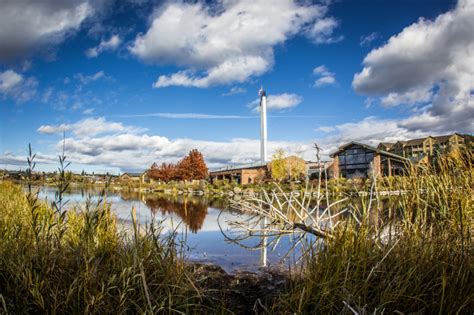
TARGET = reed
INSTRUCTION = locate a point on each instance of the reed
(410, 252)
(86, 263)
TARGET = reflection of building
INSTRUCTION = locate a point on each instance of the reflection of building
(242, 174)
(416, 149)
(360, 160)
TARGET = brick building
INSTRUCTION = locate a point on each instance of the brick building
(242, 174)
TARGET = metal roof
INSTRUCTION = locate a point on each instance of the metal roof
(239, 167)
(368, 147)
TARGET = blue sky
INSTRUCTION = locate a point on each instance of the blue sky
(133, 82)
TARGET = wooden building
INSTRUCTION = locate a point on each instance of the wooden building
(417, 149)
(358, 160)
(385, 146)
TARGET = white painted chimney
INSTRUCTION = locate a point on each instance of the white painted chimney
(263, 125)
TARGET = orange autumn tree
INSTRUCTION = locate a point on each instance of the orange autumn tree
(153, 171)
(165, 172)
(192, 166)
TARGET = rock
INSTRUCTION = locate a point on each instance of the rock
(237, 190)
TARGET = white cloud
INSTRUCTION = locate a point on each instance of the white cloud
(16, 86)
(412, 97)
(328, 80)
(321, 70)
(25, 25)
(89, 127)
(105, 45)
(188, 116)
(86, 79)
(322, 31)
(8, 80)
(227, 42)
(278, 102)
(88, 111)
(370, 130)
(126, 149)
(139, 151)
(429, 64)
(235, 90)
(325, 77)
(368, 39)
(326, 129)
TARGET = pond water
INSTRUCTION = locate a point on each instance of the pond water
(199, 221)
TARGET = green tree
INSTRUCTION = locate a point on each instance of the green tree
(295, 167)
(278, 165)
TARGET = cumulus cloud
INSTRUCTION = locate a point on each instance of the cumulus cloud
(28, 24)
(139, 151)
(278, 102)
(227, 42)
(105, 45)
(16, 86)
(127, 149)
(370, 130)
(412, 97)
(325, 77)
(89, 127)
(429, 64)
(10, 159)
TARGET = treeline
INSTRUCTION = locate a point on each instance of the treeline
(191, 167)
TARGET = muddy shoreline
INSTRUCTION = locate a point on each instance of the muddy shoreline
(244, 292)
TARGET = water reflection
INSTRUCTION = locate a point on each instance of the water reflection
(194, 218)
(192, 211)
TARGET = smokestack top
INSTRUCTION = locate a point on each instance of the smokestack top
(262, 92)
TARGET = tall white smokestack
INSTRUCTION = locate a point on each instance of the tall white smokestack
(263, 125)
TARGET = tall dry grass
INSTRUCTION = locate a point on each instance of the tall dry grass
(408, 253)
(83, 263)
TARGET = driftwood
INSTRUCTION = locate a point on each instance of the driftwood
(276, 213)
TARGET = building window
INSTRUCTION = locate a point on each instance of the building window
(355, 162)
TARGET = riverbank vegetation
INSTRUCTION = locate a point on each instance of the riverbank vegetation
(83, 263)
(407, 252)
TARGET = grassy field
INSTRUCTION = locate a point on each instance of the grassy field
(415, 255)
